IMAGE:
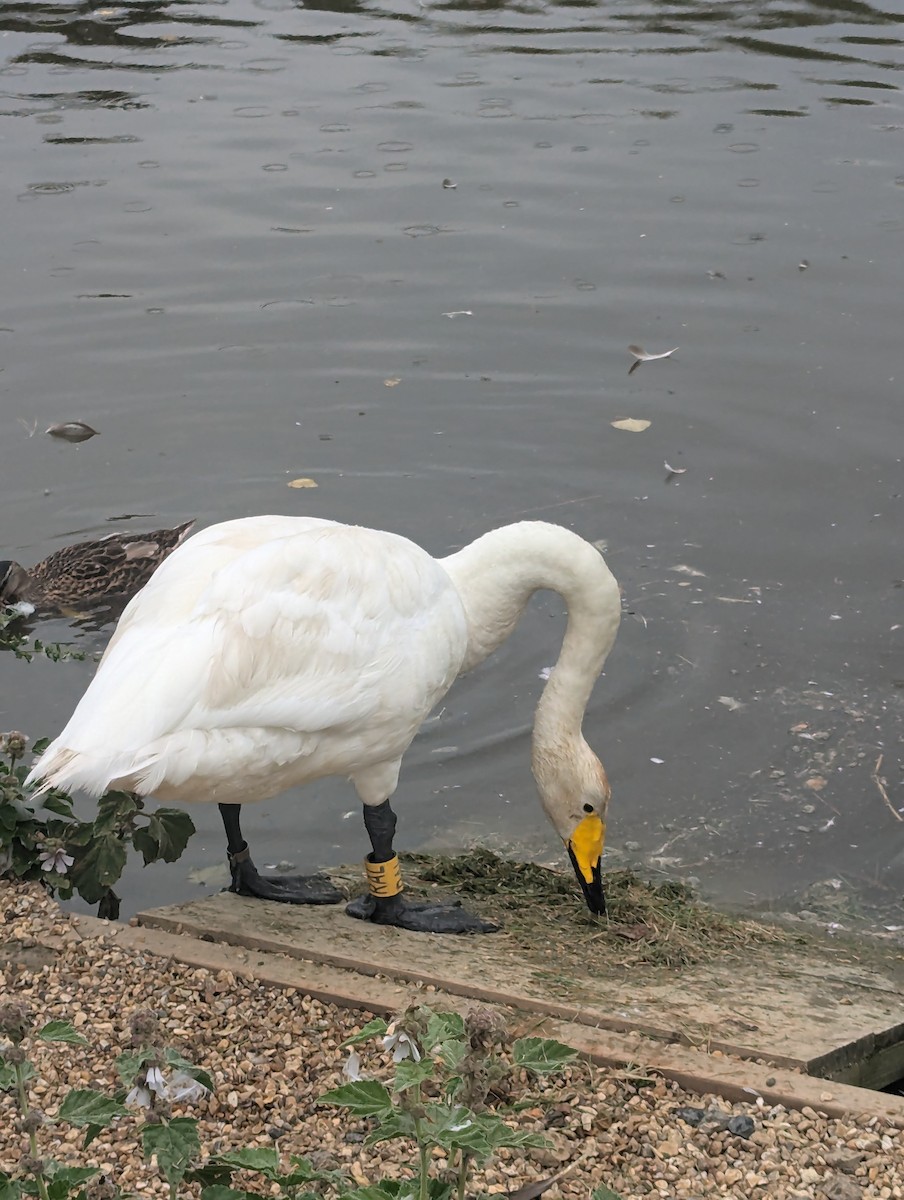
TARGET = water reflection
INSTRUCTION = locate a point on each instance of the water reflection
(88, 24)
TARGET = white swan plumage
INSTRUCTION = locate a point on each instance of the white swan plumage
(270, 651)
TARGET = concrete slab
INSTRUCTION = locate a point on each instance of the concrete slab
(832, 1010)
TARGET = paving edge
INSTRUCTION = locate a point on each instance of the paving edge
(704, 1073)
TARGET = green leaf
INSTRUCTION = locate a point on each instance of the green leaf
(175, 1143)
(375, 1028)
(129, 1064)
(393, 1126)
(478, 1134)
(438, 1189)
(114, 811)
(7, 1077)
(451, 1052)
(95, 871)
(251, 1158)
(443, 1027)
(410, 1074)
(542, 1055)
(86, 1107)
(366, 1098)
(604, 1193)
(10, 1189)
(210, 1173)
(91, 1132)
(217, 1191)
(61, 1031)
(304, 1171)
(80, 834)
(64, 1180)
(59, 803)
(165, 836)
(454, 1127)
(502, 1135)
(374, 1192)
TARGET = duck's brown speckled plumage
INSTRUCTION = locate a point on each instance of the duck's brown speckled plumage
(116, 565)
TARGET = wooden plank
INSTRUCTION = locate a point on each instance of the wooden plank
(790, 1007)
(705, 1074)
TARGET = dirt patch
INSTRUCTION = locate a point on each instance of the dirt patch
(25, 956)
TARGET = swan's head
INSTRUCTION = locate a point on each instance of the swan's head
(575, 794)
(13, 582)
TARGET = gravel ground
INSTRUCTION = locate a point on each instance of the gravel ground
(273, 1052)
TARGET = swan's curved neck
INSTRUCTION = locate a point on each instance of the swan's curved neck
(496, 576)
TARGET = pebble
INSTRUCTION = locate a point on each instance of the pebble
(272, 1052)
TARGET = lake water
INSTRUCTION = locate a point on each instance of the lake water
(228, 246)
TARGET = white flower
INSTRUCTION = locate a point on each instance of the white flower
(352, 1069)
(139, 1097)
(183, 1086)
(401, 1045)
(156, 1082)
(180, 1086)
(56, 860)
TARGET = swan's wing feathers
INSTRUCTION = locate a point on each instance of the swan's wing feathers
(333, 640)
(323, 631)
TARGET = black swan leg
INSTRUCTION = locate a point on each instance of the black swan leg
(247, 881)
(385, 904)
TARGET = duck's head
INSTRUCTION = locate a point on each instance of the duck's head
(575, 794)
(14, 581)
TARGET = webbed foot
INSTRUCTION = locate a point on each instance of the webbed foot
(418, 915)
(286, 889)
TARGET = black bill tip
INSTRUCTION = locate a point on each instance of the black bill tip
(593, 891)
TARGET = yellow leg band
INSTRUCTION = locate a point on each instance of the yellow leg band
(384, 879)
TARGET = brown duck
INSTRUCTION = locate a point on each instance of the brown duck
(116, 565)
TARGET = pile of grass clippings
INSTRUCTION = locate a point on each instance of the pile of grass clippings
(658, 923)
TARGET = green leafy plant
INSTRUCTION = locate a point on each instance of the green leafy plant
(446, 1069)
(21, 647)
(157, 1075)
(42, 838)
(39, 1176)
(448, 1087)
(295, 1180)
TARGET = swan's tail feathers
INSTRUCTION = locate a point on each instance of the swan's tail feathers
(71, 770)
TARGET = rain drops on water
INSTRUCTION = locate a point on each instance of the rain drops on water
(71, 431)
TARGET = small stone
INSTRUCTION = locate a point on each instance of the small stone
(841, 1160)
(741, 1126)
(632, 846)
(690, 1116)
(715, 1120)
(839, 1187)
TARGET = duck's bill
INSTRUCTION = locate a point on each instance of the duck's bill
(586, 853)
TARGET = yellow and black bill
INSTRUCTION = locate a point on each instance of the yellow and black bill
(585, 849)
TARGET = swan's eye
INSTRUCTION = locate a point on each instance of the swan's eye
(588, 808)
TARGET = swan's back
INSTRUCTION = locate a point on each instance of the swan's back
(264, 652)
